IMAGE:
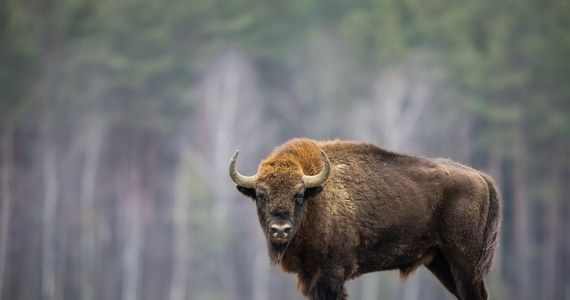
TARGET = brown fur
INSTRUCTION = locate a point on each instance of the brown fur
(377, 211)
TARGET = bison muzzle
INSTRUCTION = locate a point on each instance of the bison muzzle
(334, 210)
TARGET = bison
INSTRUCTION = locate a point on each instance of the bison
(333, 210)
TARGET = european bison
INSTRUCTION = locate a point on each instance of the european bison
(333, 210)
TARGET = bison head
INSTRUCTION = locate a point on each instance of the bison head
(280, 189)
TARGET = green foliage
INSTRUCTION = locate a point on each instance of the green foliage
(17, 56)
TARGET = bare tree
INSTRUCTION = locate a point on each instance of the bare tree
(46, 94)
(229, 115)
(6, 151)
(93, 136)
(130, 194)
(180, 219)
(550, 245)
(50, 182)
(50, 185)
(521, 236)
(400, 95)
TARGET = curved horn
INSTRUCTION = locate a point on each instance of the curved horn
(243, 181)
(319, 179)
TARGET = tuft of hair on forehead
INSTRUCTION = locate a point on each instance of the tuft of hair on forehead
(304, 153)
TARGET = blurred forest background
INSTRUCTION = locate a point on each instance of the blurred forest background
(118, 120)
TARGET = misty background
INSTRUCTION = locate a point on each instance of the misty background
(118, 119)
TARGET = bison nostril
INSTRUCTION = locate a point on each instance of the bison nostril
(280, 230)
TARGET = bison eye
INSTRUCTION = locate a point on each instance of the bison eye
(261, 197)
(300, 197)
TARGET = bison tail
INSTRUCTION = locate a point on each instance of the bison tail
(491, 233)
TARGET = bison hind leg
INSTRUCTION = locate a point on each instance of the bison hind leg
(470, 289)
(458, 277)
(441, 269)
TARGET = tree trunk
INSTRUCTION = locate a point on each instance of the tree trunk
(180, 221)
(563, 288)
(521, 243)
(48, 149)
(548, 262)
(48, 221)
(228, 86)
(86, 201)
(6, 151)
(132, 197)
(50, 199)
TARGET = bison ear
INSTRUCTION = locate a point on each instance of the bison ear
(312, 192)
(247, 192)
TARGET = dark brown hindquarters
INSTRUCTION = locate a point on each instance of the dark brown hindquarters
(491, 233)
(464, 279)
(467, 277)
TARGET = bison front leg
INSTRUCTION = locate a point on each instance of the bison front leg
(325, 290)
(324, 286)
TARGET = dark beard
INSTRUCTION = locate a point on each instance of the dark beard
(276, 252)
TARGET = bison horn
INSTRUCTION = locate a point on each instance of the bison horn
(243, 181)
(319, 179)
